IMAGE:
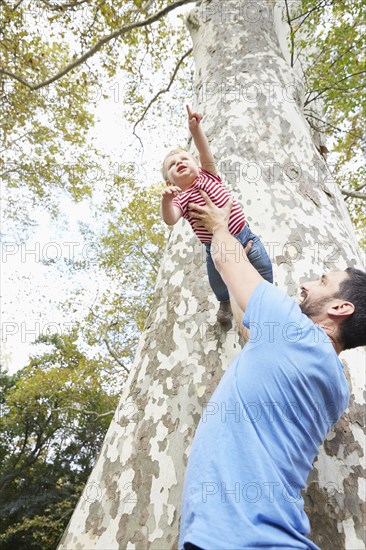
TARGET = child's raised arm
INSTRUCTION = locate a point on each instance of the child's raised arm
(200, 140)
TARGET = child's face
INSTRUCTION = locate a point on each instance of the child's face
(181, 169)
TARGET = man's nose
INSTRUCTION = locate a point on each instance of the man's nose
(307, 285)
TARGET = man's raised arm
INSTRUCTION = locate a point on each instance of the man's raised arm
(229, 256)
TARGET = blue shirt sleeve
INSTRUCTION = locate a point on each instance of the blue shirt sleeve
(273, 316)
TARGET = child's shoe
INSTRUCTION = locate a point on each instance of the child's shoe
(224, 314)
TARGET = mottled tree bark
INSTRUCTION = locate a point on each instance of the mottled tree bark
(252, 102)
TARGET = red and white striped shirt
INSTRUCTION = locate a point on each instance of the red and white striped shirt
(219, 196)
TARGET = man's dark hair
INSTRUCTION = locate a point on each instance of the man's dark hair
(352, 331)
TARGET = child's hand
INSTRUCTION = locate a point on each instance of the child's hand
(194, 119)
(170, 192)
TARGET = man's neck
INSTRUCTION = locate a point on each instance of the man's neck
(331, 330)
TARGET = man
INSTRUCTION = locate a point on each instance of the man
(257, 439)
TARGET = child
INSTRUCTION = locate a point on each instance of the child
(183, 178)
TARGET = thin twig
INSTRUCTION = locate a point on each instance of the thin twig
(292, 34)
(341, 55)
(17, 5)
(321, 92)
(142, 250)
(92, 51)
(114, 355)
(15, 140)
(106, 341)
(83, 411)
(62, 7)
(334, 127)
(321, 4)
(165, 90)
(325, 47)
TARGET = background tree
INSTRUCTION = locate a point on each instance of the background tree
(334, 74)
(55, 412)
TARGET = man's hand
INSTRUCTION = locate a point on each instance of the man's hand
(170, 192)
(210, 215)
(227, 252)
(194, 119)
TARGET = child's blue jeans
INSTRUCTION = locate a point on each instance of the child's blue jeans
(257, 256)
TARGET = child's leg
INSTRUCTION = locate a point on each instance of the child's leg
(217, 284)
(224, 314)
(257, 255)
(259, 259)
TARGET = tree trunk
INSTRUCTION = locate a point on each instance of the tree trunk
(252, 103)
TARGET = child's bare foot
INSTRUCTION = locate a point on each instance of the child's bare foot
(224, 314)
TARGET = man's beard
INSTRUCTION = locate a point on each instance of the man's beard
(313, 309)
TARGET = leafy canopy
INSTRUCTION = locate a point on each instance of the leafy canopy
(55, 412)
(335, 74)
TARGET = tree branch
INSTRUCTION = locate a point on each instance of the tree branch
(342, 55)
(292, 34)
(17, 5)
(7, 172)
(306, 14)
(332, 126)
(114, 355)
(26, 435)
(325, 47)
(106, 341)
(360, 187)
(143, 253)
(15, 140)
(321, 92)
(63, 7)
(165, 90)
(102, 415)
(354, 194)
(92, 51)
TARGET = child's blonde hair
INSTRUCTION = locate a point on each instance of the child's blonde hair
(172, 152)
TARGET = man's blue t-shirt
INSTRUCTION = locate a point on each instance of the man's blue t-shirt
(260, 432)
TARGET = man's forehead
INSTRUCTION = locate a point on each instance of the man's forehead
(333, 279)
(330, 277)
(335, 276)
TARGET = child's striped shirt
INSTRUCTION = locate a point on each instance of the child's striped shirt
(219, 196)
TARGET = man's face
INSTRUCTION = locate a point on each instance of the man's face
(316, 296)
(181, 169)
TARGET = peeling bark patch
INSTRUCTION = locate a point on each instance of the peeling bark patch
(307, 190)
(343, 439)
(94, 523)
(324, 526)
(352, 501)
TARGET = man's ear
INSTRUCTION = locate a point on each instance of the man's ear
(341, 309)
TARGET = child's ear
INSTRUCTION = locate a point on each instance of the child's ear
(168, 183)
